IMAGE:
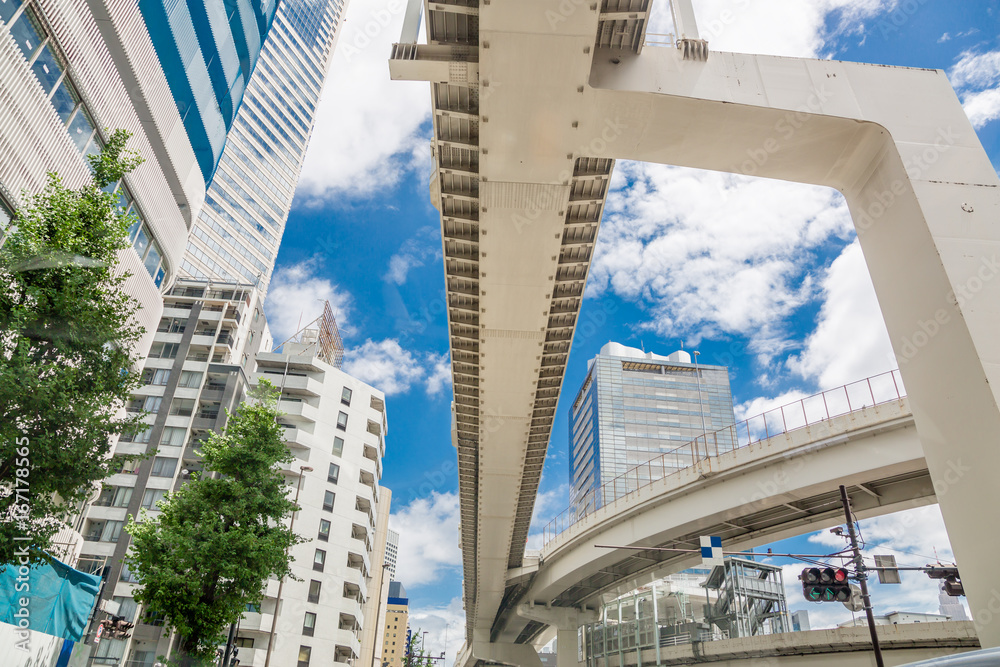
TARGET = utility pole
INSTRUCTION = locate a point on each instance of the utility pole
(862, 575)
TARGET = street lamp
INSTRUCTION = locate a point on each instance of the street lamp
(281, 582)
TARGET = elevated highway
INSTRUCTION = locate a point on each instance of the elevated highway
(533, 100)
(759, 492)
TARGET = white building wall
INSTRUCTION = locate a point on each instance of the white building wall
(313, 402)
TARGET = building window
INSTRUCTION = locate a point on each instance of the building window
(138, 436)
(244, 642)
(345, 396)
(190, 379)
(324, 530)
(156, 376)
(163, 467)
(164, 350)
(328, 499)
(342, 421)
(173, 436)
(104, 531)
(304, 653)
(114, 496)
(338, 446)
(309, 624)
(253, 607)
(314, 589)
(334, 473)
(182, 407)
(319, 560)
(152, 496)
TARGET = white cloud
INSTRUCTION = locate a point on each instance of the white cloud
(548, 504)
(296, 297)
(982, 107)
(850, 341)
(439, 378)
(714, 254)
(385, 365)
(976, 77)
(367, 133)
(774, 27)
(413, 253)
(445, 628)
(428, 539)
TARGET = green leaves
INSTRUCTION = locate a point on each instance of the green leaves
(222, 535)
(67, 334)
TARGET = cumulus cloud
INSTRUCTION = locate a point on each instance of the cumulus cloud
(774, 27)
(439, 377)
(976, 77)
(296, 297)
(368, 132)
(428, 539)
(711, 254)
(385, 365)
(850, 341)
(445, 628)
(548, 504)
(425, 245)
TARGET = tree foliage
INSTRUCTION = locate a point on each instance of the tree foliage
(222, 535)
(67, 336)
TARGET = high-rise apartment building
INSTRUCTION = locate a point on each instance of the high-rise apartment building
(335, 427)
(74, 70)
(202, 364)
(237, 233)
(371, 638)
(392, 552)
(396, 624)
(196, 371)
(634, 406)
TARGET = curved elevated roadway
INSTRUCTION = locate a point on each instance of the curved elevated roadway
(768, 490)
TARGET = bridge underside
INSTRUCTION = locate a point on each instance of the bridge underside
(780, 488)
(535, 99)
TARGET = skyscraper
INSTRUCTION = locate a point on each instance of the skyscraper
(634, 406)
(396, 624)
(237, 233)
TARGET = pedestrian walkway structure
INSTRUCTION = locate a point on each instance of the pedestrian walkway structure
(534, 100)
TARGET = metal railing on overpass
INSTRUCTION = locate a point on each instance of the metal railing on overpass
(805, 412)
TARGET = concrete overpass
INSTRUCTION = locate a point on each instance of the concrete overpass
(839, 647)
(762, 491)
(535, 99)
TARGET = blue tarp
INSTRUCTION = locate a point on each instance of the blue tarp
(59, 598)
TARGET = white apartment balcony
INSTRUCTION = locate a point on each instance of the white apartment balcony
(299, 385)
(347, 639)
(371, 467)
(360, 547)
(295, 411)
(353, 608)
(298, 438)
(205, 340)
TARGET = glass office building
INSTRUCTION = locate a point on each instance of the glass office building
(237, 233)
(635, 406)
(208, 51)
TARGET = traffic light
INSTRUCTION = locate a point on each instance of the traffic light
(952, 580)
(825, 585)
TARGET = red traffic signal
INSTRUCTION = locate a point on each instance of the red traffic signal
(826, 585)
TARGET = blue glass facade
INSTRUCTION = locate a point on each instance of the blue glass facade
(237, 233)
(208, 49)
(634, 407)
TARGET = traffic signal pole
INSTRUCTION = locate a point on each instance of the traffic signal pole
(862, 575)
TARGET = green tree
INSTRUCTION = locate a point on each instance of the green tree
(221, 536)
(416, 653)
(67, 338)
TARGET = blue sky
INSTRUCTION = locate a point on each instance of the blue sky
(762, 276)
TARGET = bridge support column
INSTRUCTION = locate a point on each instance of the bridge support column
(566, 621)
(516, 655)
